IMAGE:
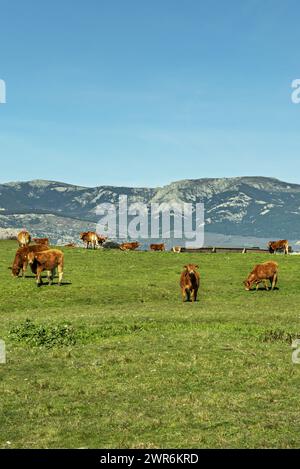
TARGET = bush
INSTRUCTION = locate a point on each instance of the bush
(43, 335)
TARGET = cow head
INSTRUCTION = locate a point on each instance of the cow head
(15, 270)
(270, 245)
(249, 282)
(191, 268)
(101, 239)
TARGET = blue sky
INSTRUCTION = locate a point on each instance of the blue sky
(144, 93)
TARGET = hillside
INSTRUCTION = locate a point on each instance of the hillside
(245, 206)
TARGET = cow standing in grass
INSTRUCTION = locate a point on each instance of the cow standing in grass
(24, 238)
(90, 238)
(281, 245)
(190, 282)
(263, 273)
(21, 259)
(50, 261)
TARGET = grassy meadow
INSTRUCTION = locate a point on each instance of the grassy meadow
(113, 358)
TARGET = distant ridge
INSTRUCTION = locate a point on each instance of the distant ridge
(239, 206)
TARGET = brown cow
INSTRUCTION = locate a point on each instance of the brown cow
(157, 247)
(21, 259)
(282, 244)
(129, 246)
(24, 238)
(189, 282)
(44, 241)
(262, 273)
(89, 238)
(101, 239)
(49, 261)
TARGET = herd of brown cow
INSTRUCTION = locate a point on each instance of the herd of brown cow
(42, 258)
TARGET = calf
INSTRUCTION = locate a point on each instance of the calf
(280, 245)
(157, 247)
(129, 246)
(262, 273)
(176, 249)
(189, 282)
(24, 238)
(49, 261)
(21, 259)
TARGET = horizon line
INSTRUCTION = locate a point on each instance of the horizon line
(145, 187)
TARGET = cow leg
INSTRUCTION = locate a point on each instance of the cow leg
(274, 281)
(195, 295)
(39, 280)
(266, 285)
(185, 294)
(50, 275)
(60, 274)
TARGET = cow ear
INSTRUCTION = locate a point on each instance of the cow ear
(197, 266)
(185, 267)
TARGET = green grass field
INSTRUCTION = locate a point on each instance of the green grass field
(113, 358)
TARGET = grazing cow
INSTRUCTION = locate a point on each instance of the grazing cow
(262, 273)
(44, 241)
(157, 247)
(101, 239)
(49, 261)
(189, 282)
(24, 238)
(129, 246)
(176, 249)
(21, 259)
(280, 245)
(89, 238)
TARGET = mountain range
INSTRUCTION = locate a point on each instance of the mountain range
(256, 207)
